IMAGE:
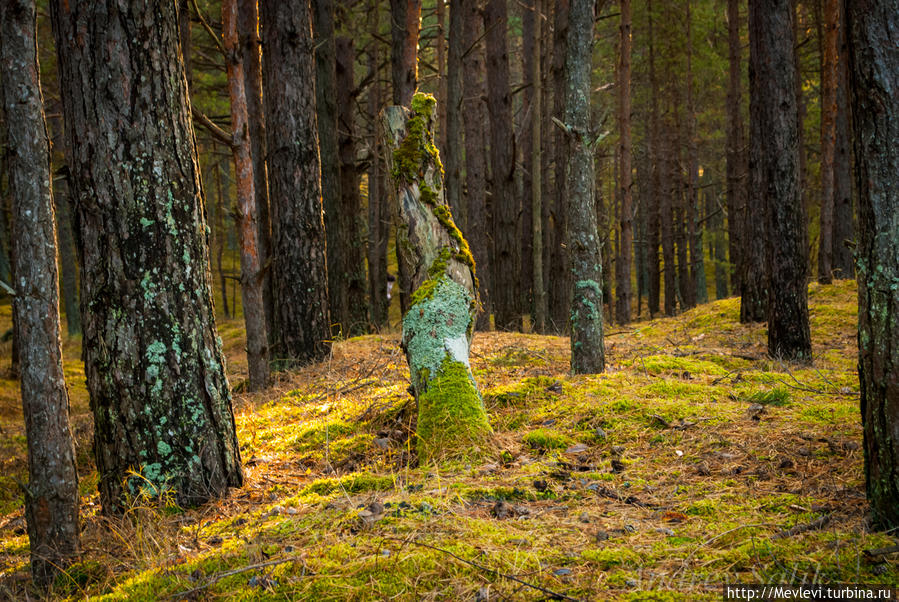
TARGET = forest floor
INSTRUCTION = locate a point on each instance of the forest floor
(693, 461)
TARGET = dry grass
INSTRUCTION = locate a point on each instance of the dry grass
(706, 451)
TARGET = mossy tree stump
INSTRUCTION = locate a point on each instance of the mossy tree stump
(439, 324)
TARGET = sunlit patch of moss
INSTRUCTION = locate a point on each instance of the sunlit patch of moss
(529, 390)
(778, 397)
(547, 439)
(451, 413)
(606, 558)
(359, 482)
(667, 364)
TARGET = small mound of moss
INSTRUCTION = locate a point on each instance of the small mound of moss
(778, 396)
(353, 483)
(547, 439)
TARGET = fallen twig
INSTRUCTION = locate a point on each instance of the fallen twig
(882, 551)
(812, 526)
(216, 578)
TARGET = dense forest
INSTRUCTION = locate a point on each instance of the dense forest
(351, 299)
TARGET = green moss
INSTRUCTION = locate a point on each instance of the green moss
(354, 483)
(451, 414)
(410, 160)
(778, 396)
(547, 439)
(607, 558)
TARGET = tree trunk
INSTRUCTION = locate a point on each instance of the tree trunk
(247, 229)
(453, 151)
(754, 269)
(404, 31)
(154, 367)
(474, 118)
(438, 327)
(352, 268)
(699, 291)
(67, 262)
(218, 236)
(843, 222)
(587, 352)
(874, 77)
(51, 496)
(737, 212)
(539, 292)
(717, 243)
(654, 208)
(829, 82)
(559, 300)
(623, 265)
(248, 30)
(440, 43)
(299, 270)
(798, 26)
(326, 111)
(506, 238)
(377, 229)
(668, 187)
(774, 131)
(525, 161)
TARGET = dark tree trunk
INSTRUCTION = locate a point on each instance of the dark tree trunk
(536, 199)
(737, 212)
(440, 43)
(796, 11)
(668, 185)
(352, 269)
(51, 496)
(504, 201)
(247, 229)
(699, 289)
(378, 230)
(548, 132)
(623, 264)
(475, 118)
(437, 329)
(218, 236)
(829, 83)
(843, 222)
(154, 368)
(248, 30)
(874, 77)
(67, 263)
(326, 110)
(654, 207)
(453, 152)
(405, 16)
(753, 255)
(685, 288)
(587, 351)
(299, 270)
(525, 160)
(774, 136)
(559, 299)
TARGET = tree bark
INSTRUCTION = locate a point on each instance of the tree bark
(736, 171)
(559, 299)
(525, 146)
(474, 118)
(68, 265)
(587, 351)
(218, 236)
(717, 242)
(829, 83)
(843, 221)
(538, 287)
(352, 268)
(699, 289)
(668, 185)
(326, 110)
(453, 151)
(438, 327)
(51, 496)
(251, 289)
(653, 220)
(300, 269)
(874, 77)
(251, 54)
(774, 137)
(154, 366)
(378, 230)
(623, 264)
(506, 238)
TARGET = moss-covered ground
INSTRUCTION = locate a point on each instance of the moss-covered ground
(693, 461)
